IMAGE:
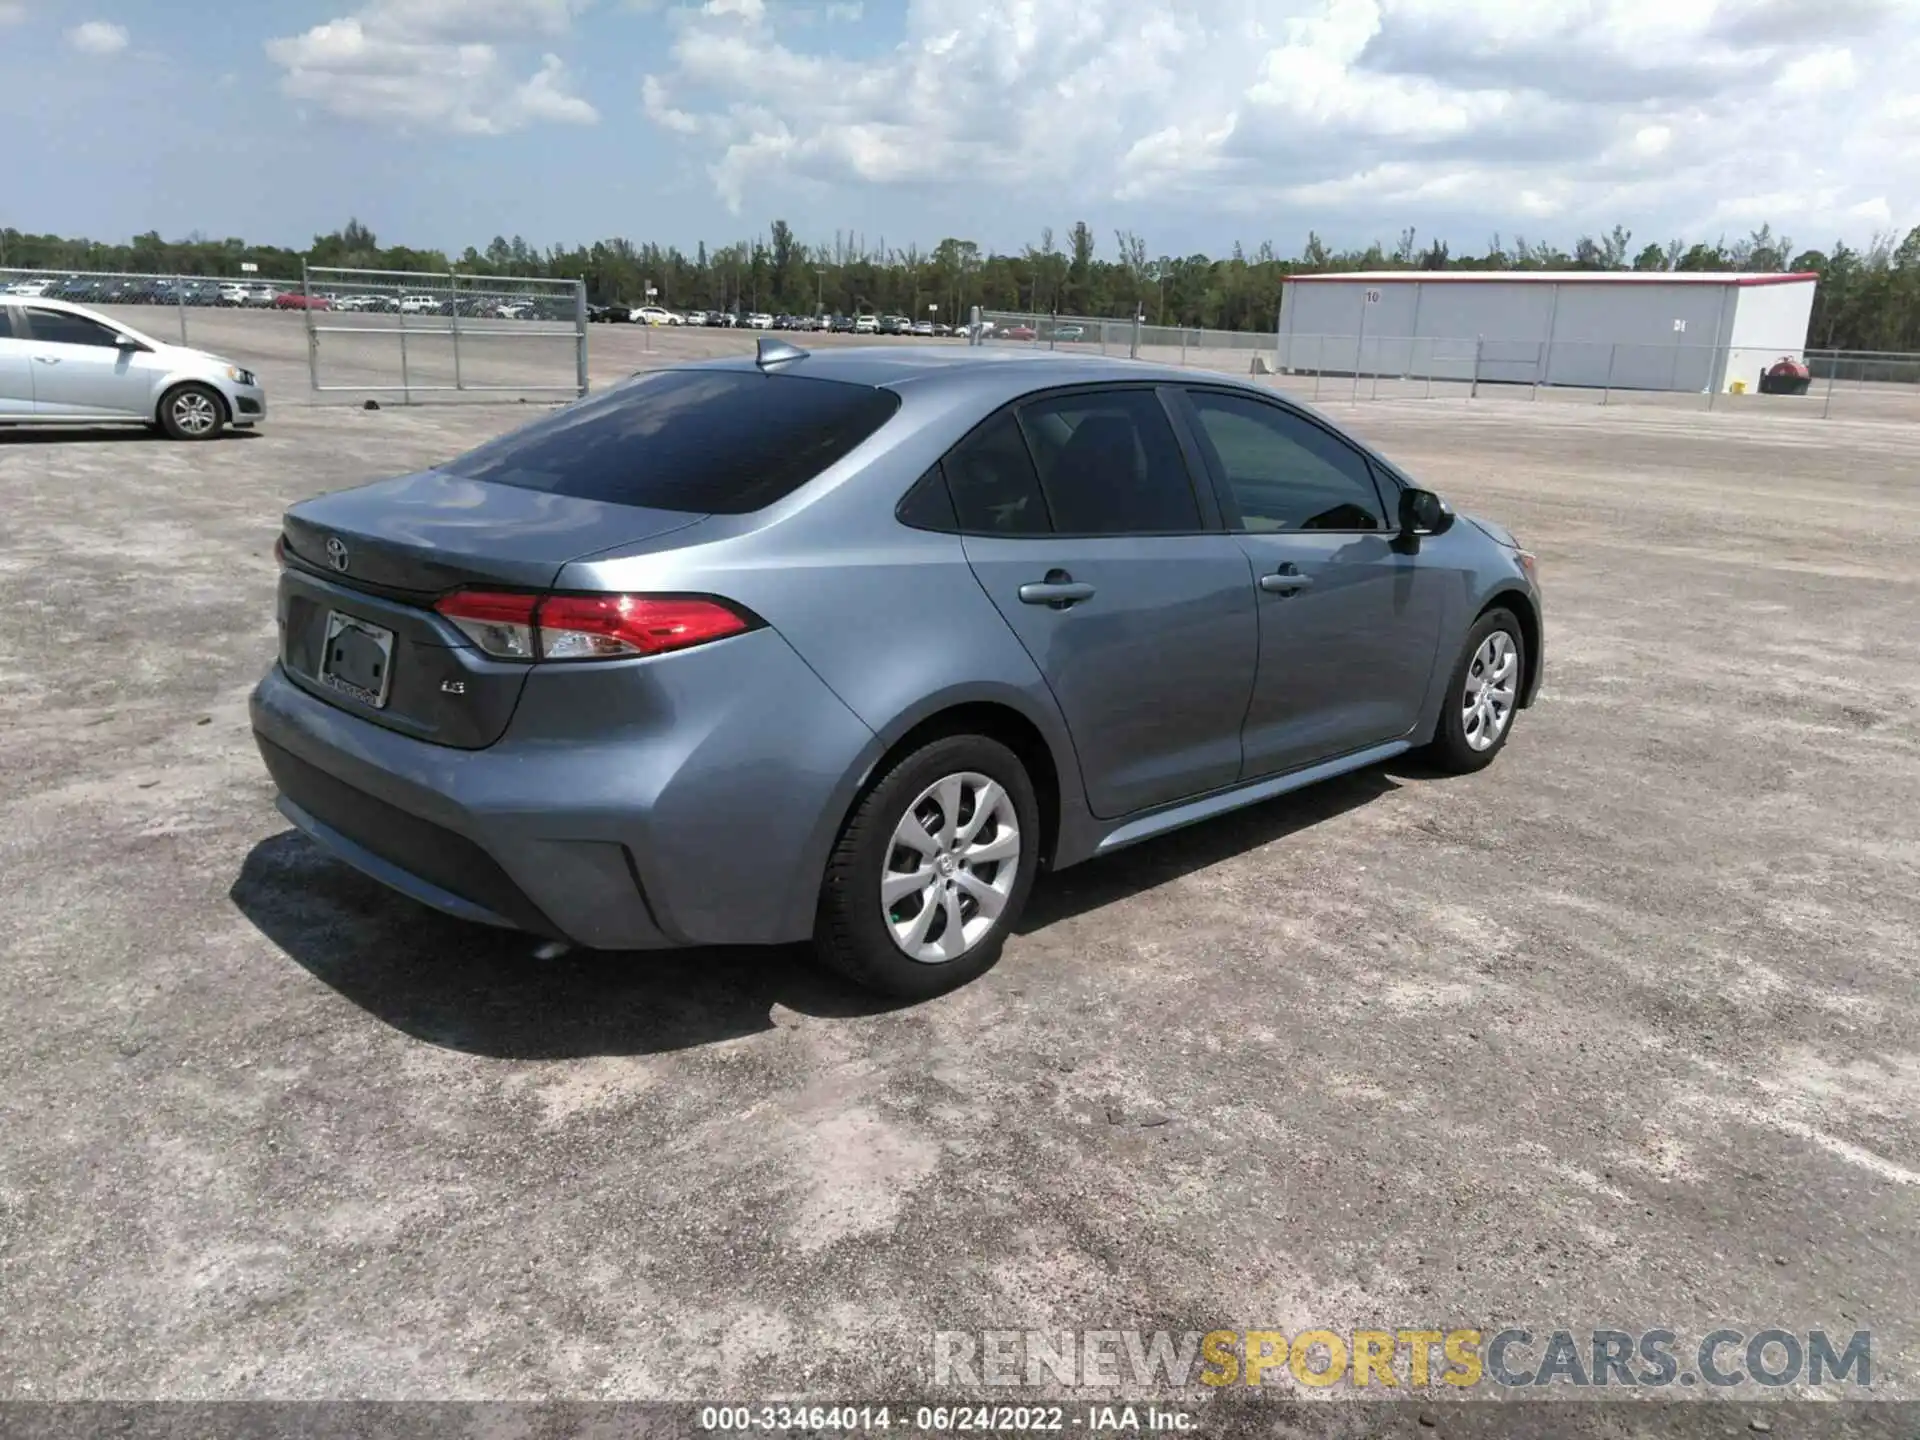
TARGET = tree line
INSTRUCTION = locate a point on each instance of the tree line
(1868, 298)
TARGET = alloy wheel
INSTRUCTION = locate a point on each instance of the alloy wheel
(195, 413)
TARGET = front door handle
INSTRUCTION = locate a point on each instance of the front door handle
(1285, 582)
(1058, 590)
(48, 359)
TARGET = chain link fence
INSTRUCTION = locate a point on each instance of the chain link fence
(169, 303)
(361, 331)
(1707, 377)
(420, 333)
(1225, 350)
(1356, 367)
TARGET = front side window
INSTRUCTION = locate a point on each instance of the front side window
(715, 442)
(1285, 472)
(6, 323)
(63, 327)
(1109, 464)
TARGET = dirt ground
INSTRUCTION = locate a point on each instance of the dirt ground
(1622, 1032)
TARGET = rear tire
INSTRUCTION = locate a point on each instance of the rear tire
(1483, 695)
(950, 837)
(192, 412)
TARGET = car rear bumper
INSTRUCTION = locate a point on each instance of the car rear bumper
(586, 824)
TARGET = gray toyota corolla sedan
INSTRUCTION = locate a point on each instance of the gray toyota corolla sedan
(850, 645)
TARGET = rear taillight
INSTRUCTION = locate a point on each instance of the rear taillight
(280, 550)
(500, 624)
(588, 627)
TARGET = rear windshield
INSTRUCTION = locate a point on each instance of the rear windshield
(705, 441)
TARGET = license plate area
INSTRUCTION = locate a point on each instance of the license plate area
(357, 659)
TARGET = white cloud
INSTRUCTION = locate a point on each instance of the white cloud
(12, 12)
(98, 37)
(452, 65)
(1481, 114)
(1829, 68)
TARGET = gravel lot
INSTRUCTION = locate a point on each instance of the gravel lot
(1622, 1032)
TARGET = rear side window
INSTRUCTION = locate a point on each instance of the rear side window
(1109, 464)
(6, 323)
(722, 442)
(992, 480)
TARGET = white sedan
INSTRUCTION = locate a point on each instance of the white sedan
(64, 365)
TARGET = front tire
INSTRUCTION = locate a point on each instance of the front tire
(932, 870)
(1483, 695)
(192, 412)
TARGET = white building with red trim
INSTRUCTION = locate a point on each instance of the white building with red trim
(1626, 330)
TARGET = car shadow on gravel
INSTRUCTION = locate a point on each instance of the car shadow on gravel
(1168, 857)
(102, 434)
(493, 992)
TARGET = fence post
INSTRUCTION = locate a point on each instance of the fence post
(406, 383)
(1613, 356)
(1473, 389)
(1713, 390)
(180, 303)
(313, 336)
(453, 303)
(1134, 351)
(1359, 351)
(580, 334)
(1826, 404)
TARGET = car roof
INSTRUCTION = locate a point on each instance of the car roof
(47, 302)
(1022, 370)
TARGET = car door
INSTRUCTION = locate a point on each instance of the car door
(1082, 521)
(79, 368)
(1349, 619)
(16, 368)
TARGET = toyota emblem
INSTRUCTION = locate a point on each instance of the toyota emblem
(337, 553)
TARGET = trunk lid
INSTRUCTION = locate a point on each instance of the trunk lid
(428, 533)
(364, 566)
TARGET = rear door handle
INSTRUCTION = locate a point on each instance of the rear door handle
(1285, 584)
(1059, 593)
(48, 359)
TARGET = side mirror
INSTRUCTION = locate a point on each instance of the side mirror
(127, 343)
(1424, 513)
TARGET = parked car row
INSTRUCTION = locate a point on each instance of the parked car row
(119, 290)
(261, 295)
(866, 324)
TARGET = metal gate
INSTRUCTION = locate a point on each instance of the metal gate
(414, 333)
